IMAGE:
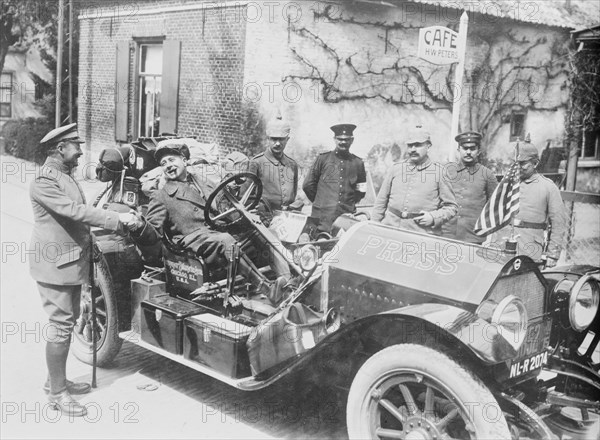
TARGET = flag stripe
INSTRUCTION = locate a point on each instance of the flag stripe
(502, 205)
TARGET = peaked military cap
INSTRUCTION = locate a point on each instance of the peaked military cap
(527, 151)
(469, 137)
(418, 135)
(278, 128)
(343, 131)
(171, 146)
(64, 133)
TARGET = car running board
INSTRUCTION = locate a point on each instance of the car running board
(245, 383)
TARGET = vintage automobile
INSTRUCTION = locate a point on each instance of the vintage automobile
(434, 338)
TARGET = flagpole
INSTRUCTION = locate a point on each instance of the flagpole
(511, 244)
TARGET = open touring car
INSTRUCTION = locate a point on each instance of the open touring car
(434, 338)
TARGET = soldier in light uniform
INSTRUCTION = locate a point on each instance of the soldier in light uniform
(276, 170)
(61, 235)
(473, 185)
(416, 193)
(541, 222)
(337, 180)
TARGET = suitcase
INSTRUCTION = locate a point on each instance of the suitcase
(162, 321)
(143, 289)
(217, 343)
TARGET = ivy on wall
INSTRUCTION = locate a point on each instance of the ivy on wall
(510, 66)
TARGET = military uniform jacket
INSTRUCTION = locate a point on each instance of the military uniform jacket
(332, 186)
(473, 187)
(540, 202)
(177, 209)
(60, 242)
(279, 178)
(411, 189)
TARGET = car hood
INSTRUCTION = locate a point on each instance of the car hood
(458, 271)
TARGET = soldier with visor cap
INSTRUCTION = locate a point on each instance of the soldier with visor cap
(62, 221)
(337, 180)
(473, 185)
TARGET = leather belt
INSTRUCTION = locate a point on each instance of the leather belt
(529, 225)
(404, 214)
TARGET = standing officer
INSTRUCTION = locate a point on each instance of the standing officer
(276, 170)
(473, 185)
(337, 180)
(416, 193)
(541, 222)
(61, 237)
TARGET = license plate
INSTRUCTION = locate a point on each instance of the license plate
(531, 363)
(536, 340)
(532, 354)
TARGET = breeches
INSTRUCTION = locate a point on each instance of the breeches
(62, 304)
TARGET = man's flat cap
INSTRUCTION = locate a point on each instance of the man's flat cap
(469, 137)
(527, 151)
(64, 133)
(418, 135)
(343, 131)
(171, 146)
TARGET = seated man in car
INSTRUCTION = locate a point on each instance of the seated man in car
(177, 210)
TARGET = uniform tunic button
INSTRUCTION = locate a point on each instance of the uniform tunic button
(195, 209)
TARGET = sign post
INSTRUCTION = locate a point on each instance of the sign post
(458, 83)
(441, 45)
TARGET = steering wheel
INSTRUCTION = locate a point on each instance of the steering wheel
(221, 212)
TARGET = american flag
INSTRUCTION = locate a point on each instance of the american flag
(502, 205)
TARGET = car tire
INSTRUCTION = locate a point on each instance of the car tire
(108, 341)
(411, 389)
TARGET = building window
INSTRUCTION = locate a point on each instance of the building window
(150, 86)
(517, 125)
(6, 94)
(591, 145)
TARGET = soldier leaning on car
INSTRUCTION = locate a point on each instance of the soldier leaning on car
(62, 222)
(541, 222)
(276, 170)
(473, 185)
(337, 180)
(416, 193)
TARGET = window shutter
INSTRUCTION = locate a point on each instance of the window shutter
(170, 86)
(122, 91)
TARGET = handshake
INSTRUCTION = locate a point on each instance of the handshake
(131, 220)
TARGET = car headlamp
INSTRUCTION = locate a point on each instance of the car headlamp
(583, 303)
(307, 257)
(509, 316)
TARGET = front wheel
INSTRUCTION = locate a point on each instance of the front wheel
(108, 342)
(409, 391)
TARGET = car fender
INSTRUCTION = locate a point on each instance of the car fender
(480, 337)
(441, 326)
(124, 264)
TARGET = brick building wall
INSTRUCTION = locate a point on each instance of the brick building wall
(324, 63)
(212, 52)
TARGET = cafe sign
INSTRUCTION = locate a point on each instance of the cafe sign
(438, 45)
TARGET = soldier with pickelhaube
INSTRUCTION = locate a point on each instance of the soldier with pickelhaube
(541, 223)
